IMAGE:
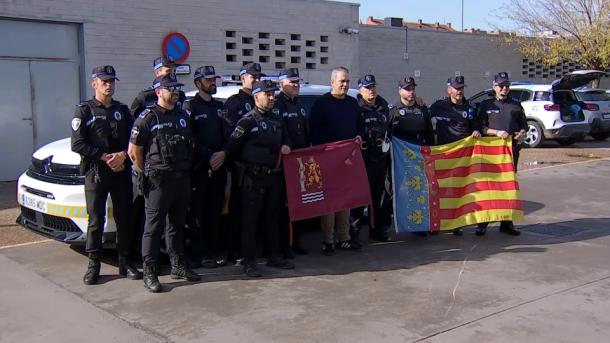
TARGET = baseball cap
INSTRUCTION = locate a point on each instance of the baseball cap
(291, 74)
(501, 78)
(367, 80)
(252, 69)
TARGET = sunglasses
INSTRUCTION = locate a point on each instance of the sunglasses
(173, 88)
(504, 85)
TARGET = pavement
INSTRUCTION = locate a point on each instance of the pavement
(552, 283)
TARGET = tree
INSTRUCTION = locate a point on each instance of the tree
(556, 31)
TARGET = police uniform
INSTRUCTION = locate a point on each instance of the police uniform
(165, 137)
(296, 122)
(146, 98)
(256, 144)
(375, 124)
(235, 108)
(506, 115)
(98, 130)
(454, 121)
(412, 124)
(208, 195)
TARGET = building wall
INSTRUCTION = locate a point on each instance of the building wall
(392, 53)
(128, 34)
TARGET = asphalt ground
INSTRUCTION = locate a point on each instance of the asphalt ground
(552, 283)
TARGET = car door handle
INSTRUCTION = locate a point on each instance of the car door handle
(30, 119)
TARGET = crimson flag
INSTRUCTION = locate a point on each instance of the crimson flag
(325, 178)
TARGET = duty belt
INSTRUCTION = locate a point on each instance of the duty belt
(259, 169)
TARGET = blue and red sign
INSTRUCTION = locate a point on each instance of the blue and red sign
(177, 46)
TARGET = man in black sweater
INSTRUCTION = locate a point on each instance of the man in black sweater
(334, 117)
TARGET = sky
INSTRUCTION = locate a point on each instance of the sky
(479, 14)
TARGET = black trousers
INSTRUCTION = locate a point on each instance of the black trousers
(234, 221)
(166, 194)
(99, 182)
(376, 170)
(137, 211)
(261, 198)
(207, 201)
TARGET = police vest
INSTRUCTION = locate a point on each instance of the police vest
(170, 143)
(265, 140)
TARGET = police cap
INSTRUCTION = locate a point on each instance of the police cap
(253, 69)
(291, 74)
(407, 82)
(207, 72)
(366, 81)
(104, 73)
(264, 86)
(166, 81)
(456, 82)
(501, 78)
(163, 61)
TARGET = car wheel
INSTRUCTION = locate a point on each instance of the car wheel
(566, 141)
(600, 136)
(535, 136)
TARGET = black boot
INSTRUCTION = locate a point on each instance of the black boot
(151, 280)
(508, 228)
(181, 271)
(481, 229)
(92, 274)
(127, 270)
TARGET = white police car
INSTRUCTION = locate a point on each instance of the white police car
(553, 111)
(51, 192)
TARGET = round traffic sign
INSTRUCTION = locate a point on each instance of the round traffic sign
(177, 46)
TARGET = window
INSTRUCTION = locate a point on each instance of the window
(295, 48)
(542, 96)
(229, 34)
(231, 58)
(515, 94)
(280, 65)
(263, 47)
(263, 59)
(593, 96)
(323, 38)
(279, 41)
(263, 35)
(295, 59)
(310, 66)
(323, 60)
(247, 40)
(307, 102)
(310, 54)
(310, 43)
(280, 53)
(479, 97)
(295, 36)
(323, 49)
(230, 46)
(247, 52)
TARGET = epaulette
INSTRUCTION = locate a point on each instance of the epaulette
(83, 104)
(144, 113)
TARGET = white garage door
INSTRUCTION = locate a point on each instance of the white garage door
(42, 61)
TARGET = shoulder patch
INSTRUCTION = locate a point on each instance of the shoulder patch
(82, 104)
(134, 133)
(238, 132)
(144, 113)
(76, 124)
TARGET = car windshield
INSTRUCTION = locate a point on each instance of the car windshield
(542, 96)
(593, 96)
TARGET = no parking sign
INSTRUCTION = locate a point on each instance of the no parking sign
(177, 46)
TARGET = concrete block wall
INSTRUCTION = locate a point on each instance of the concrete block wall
(128, 34)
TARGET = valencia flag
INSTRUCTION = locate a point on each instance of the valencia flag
(324, 179)
(453, 185)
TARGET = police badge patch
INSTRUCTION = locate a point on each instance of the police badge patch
(238, 132)
(117, 115)
(248, 107)
(303, 112)
(402, 112)
(76, 124)
(134, 133)
(182, 122)
(264, 126)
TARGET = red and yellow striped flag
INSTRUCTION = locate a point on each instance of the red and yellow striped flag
(453, 185)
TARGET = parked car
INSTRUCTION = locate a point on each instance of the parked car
(553, 111)
(596, 107)
(51, 191)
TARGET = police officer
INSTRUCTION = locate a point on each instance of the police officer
(163, 65)
(257, 142)
(295, 120)
(374, 122)
(235, 108)
(503, 117)
(207, 198)
(455, 118)
(100, 133)
(160, 145)
(410, 120)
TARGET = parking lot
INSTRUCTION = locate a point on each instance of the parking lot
(550, 284)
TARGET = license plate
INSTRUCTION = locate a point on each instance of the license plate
(33, 203)
(606, 116)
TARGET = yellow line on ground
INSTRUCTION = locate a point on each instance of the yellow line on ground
(25, 244)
